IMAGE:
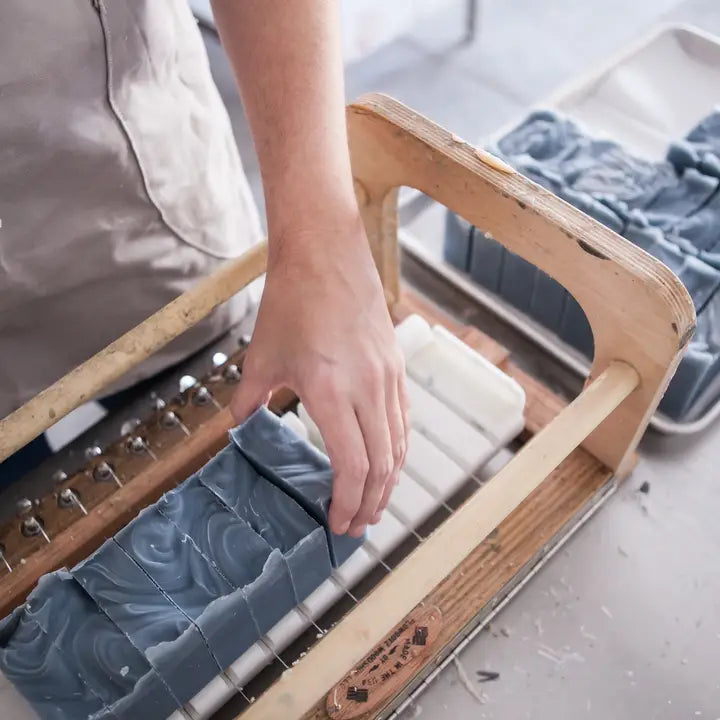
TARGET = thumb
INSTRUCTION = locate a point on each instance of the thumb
(253, 391)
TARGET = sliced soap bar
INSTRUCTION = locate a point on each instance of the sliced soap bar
(673, 204)
(297, 468)
(96, 650)
(155, 625)
(39, 671)
(240, 554)
(193, 583)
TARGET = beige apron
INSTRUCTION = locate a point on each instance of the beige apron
(120, 182)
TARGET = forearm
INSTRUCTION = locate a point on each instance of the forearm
(287, 59)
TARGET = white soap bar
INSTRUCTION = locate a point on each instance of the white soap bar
(412, 334)
(322, 599)
(212, 697)
(471, 385)
(296, 424)
(249, 664)
(466, 445)
(284, 632)
(384, 537)
(429, 466)
(411, 502)
(313, 432)
(355, 568)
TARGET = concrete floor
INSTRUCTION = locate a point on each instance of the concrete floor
(623, 623)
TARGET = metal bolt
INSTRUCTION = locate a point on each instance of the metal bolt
(102, 472)
(232, 374)
(30, 527)
(58, 477)
(219, 359)
(136, 444)
(158, 403)
(66, 498)
(202, 396)
(23, 506)
(129, 425)
(92, 452)
(186, 382)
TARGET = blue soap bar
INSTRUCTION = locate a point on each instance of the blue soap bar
(702, 228)
(456, 248)
(685, 198)
(624, 177)
(272, 595)
(109, 664)
(240, 554)
(181, 571)
(548, 301)
(155, 625)
(543, 135)
(517, 280)
(39, 671)
(699, 278)
(592, 207)
(257, 500)
(229, 543)
(486, 260)
(705, 136)
(296, 467)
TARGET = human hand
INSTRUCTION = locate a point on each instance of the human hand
(324, 331)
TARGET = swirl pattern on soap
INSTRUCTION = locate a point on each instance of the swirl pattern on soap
(103, 656)
(129, 598)
(43, 676)
(229, 543)
(173, 562)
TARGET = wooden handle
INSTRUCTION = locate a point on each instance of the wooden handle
(87, 380)
(638, 310)
(298, 690)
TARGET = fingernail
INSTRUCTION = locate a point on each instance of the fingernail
(342, 529)
(357, 531)
(376, 517)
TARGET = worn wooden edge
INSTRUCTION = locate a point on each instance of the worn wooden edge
(426, 568)
(639, 311)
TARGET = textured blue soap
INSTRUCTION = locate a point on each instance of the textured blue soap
(39, 671)
(242, 556)
(152, 622)
(673, 204)
(92, 645)
(300, 470)
(192, 582)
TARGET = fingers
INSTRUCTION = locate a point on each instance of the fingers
(399, 427)
(253, 391)
(338, 425)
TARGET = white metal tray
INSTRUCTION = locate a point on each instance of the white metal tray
(650, 93)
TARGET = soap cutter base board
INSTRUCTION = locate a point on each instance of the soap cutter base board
(497, 569)
(641, 317)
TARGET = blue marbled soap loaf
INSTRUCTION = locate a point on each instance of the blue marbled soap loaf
(670, 209)
(176, 565)
(301, 471)
(152, 622)
(138, 628)
(95, 649)
(30, 660)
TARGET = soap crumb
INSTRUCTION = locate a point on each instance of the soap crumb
(622, 552)
(416, 710)
(124, 670)
(644, 488)
(606, 611)
(587, 634)
(538, 626)
(504, 632)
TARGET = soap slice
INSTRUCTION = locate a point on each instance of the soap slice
(297, 468)
(178, 568)
(272, 512)
(240, 554)
(109, 664)
(155, 625)
(36, 667)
